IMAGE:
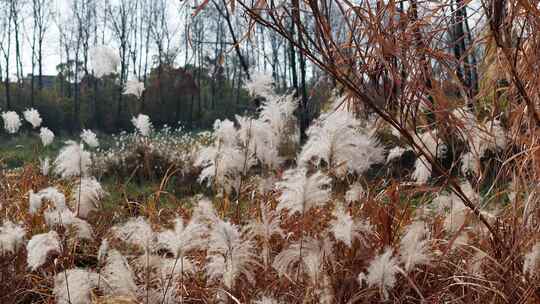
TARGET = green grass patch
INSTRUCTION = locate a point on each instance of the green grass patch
(16, 151)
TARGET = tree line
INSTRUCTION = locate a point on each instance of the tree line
(194, 56)
(193, 62)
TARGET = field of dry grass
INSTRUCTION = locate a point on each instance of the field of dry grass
(232, 217)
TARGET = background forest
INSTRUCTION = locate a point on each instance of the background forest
(193, 66)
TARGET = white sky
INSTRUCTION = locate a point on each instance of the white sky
(51, 48)
(61, 9)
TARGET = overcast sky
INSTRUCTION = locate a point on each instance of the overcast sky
(51, 51)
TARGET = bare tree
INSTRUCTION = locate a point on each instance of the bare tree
(70, 67)
(41, 11)
(121, 18)
(5, 46)
(224, 10)
(161, 34)
(15, 11)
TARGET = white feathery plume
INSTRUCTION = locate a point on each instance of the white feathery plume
(346, 229)
(265, 228)
(229, 254)
(300, 193)
(466, 117)
(531, 262)
(469, 192)
(225, 132)
(268, 225)
(223, 162)
(12, 121)
(278, 113)
(434, 146)
(355, 192)
(338, 140)
(136, 231)
(40, 246)
(422, 170)
(90, 138)
(395, 153)
(167, 272)
(382, 272)
(498, 139)
(103, 61)
(148, 265)
(265, 184)
(54, 195)
(51, 194)
(103, 251)
(66, 218)
(458, 212)
(134, 87)
(34, 202)
(147, 261)
(314, 255)
(258, 140)
(143, 124)
(46, 135)
(430, 141)
(266, 300)
(222, 166)
(481, 136)
(78, 287)
(512, 192)
(72, 161)
(118, 277)
(325, 292)
(268, 155)
(32, 116)
(11, 237)
(441, 203)
(168, 267)
(260, 84)
(61, 217)
(317, 253)
(208, 158)
(204, 213)
(45, 166)
(183, 238)
(414, 248)
(455, 218)
(87, 194)
(470, 163)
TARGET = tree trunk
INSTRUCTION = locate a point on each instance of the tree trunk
(190, 121)
(304, 117)
(40, 64)
(473, 64)
(243, 62)
(8, 93)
